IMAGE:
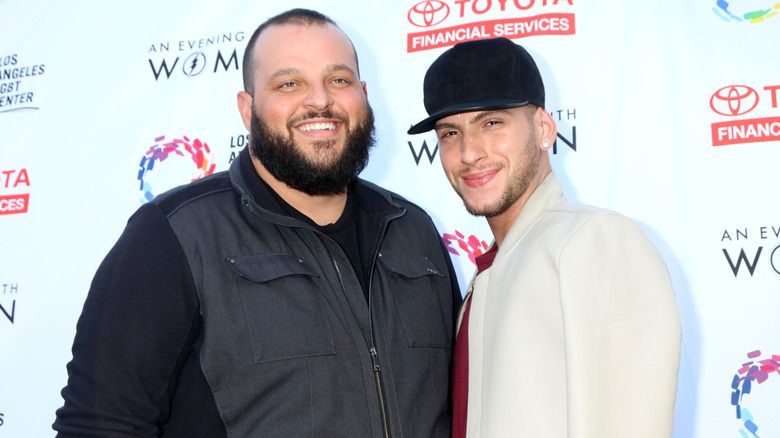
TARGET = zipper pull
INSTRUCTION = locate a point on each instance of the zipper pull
(375, 358)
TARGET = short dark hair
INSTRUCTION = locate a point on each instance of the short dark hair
(299, 16)
(530, 110)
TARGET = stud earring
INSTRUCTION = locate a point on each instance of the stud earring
(545, 145)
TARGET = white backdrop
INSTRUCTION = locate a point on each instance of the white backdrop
(667, 112)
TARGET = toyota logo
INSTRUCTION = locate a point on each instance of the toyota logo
(428, 13)
(734, 100)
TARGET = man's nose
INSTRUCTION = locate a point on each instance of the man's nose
(318, 97)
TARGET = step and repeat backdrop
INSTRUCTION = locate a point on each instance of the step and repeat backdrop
(667, 112)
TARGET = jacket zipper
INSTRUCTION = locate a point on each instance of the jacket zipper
(371, 342)
(371, 348)
(380, 390)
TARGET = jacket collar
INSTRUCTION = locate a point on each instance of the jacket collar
(546, 195)
(260, 198)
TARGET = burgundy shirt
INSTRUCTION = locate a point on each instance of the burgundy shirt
(460, 366)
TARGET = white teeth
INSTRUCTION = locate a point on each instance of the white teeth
(318, 127)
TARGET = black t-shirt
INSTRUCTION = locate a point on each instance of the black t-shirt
(344, 231)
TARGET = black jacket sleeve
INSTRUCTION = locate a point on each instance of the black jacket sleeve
(133, 335)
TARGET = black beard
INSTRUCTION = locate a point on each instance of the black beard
(287, 163)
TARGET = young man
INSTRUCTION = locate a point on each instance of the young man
(280, 298)
(570, 328)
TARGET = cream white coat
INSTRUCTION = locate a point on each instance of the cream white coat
(574, 331)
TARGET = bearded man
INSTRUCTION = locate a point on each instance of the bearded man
(280, 298)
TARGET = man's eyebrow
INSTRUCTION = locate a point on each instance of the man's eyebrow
(443, 125)
(294, 71)
(339, 67)
(487, 114)
(285, 72)
(476, 119)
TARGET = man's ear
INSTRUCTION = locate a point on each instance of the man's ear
(549, 129)
(244, 101)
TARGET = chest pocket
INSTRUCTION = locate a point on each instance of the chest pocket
(285, 311)
(416, 284)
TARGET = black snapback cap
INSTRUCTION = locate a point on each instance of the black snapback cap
(479, 75)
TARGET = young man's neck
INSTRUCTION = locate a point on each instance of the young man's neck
(502, 223)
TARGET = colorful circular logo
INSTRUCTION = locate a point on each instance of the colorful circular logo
(428, 13)
(734, 100)
(754, 371)
(196, 150)
(728, 12)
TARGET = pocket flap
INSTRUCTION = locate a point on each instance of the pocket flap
(406, 265)
(268, 267)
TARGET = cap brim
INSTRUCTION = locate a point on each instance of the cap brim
(430, 122)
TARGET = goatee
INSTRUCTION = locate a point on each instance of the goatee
(518, 182)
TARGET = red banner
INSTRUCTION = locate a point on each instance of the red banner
(14, 204)
(746, 131)
(544, 24)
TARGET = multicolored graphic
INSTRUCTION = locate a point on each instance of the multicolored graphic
(471, 245)
(197, 150)
(757, 371)
(721, 9)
